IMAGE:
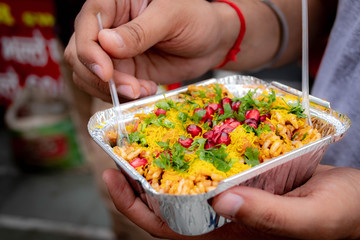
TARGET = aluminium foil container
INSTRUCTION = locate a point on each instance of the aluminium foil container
(192, 214)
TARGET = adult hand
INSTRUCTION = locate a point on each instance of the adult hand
(159, 40)
(326, 207)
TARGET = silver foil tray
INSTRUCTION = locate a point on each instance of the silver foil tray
(191, 214)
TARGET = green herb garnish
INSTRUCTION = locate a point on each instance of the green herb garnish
(198, 115)
(138, 138)
(294, 108)
(172, 157)
(252, 156)
(218, 92)
(216, 156)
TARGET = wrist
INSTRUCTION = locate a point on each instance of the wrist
(261, 41)
(230, 28)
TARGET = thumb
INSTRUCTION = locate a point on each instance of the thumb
(265, 212)
(138, 35)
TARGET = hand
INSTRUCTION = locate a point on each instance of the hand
(326, 207)
(164, 41)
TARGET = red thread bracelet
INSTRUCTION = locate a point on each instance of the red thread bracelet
(231, 56)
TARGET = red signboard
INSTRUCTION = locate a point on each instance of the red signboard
(29, 52)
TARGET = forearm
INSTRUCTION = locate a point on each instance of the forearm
(263, 32)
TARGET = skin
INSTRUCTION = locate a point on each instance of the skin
(150, 48)
(326, 207)
(183, 42)
(163, 41)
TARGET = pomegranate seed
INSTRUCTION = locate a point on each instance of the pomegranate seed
(217, 128)
(209, 134)
(254, 113)
(209, 122)
(209, 112)
(264, 117)
(215, 106)
(235, 105)
(209, 144)
(225, 101)
(251, 122)
(186, 143)
(216, 136)
(228, 130)
(224, 138)
(229, 120)
(194, 130)
(234, 124)
(138, 162)
(225, 125)
(160, 111)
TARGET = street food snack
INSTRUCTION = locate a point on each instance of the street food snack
(188, 144)
(163, 181)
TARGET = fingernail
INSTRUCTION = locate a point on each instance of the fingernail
(116, 38)
(228, 205)
(97, 70)
(126, 91)
(143, 92)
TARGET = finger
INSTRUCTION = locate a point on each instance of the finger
(87, 28)
(88, 82)
(133, 207)
(147, 88)
(105, 96)
(90, 89)
(70, 52)
(138, 35)
(266, 212)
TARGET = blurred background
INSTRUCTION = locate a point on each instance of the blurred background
(48, 187)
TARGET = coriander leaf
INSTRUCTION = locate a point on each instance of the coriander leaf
(248, 129)
(151, 119)
(172, 157)
(182, 116)
(215, 156)
(294, 108)
(164, 145)
(138, 138)
(178, 154)
(159, 121)
(198, 115)
(262, 128)
(247, 102)
(192, 104)
(265, 104)
(164, 160)
(228, 113)
(172, 104)
(257, 131)
(218, 92)
(221, 165)
(163, 105)
(252, 156)
(298, 110)
(240, 116)
(202, 94)
(198, 142)
(168, 124)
